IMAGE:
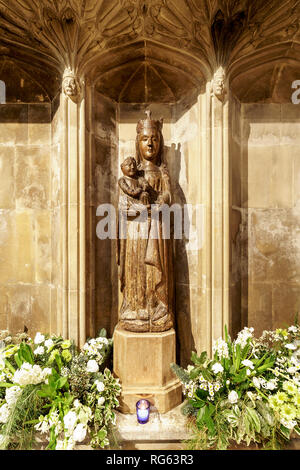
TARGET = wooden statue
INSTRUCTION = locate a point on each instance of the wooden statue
(144, 253)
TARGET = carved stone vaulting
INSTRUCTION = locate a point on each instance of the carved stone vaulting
(75, 78)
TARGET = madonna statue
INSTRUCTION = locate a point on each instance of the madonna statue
(144, 252)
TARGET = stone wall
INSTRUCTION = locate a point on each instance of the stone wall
(237, 217)
(270, 193)
(105, 157)
(25, 195)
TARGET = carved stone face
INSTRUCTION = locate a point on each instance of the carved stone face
(219, 84)
(70, 86)
(149, 144)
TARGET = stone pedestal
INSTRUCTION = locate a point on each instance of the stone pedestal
(142, 363)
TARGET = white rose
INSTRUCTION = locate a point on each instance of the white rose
(92, 366)
(48, 343)
(39, 338)
(101, 400)
(217, 367)
(233, 397)
(79, 433)
(70, 420)
(39, 350)
(100, 386)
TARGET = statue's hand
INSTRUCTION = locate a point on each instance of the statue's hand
(163, 198)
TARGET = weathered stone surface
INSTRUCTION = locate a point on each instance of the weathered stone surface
(142, 363)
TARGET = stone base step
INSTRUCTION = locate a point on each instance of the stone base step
(159, 445)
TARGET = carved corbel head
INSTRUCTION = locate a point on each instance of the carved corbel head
(70, 84)
(218, 85)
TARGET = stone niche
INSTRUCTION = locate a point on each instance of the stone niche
(114, 140)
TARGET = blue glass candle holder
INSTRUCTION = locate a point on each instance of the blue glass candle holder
(143, 411)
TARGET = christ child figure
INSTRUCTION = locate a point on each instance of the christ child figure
(132, 184)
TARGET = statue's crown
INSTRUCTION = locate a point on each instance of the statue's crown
(149, 123)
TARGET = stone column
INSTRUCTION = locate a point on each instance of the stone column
(215, 194)
(73, 239)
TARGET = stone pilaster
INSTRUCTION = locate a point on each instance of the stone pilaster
(215, 195)
(73, 234)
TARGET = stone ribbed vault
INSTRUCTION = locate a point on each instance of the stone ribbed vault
(148, 41)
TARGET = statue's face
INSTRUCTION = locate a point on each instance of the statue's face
(149, 144)
(69, 86)
(129, 167)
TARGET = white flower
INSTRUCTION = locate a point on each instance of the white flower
(39, 350)
(12, 394)
(243, 336)
(251, 395)
(28, 374)
(79, 433)
(70, 444)
(42, 426)
(49, 343)
(233, 397)
(293, 329)
(4, 413)
(59, 445)
(47, 371)
(70, 420)
(221, 347)
(100, 386)
(288, 424)
(39, 338)
(92, 366)
(291, 346)
(256, 382)
(101, 400)
(76, 403)
(271, 385)
(217, 367)
(248, 363)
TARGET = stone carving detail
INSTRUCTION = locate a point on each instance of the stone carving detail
(73, 33)
(70, 84)
(145, 257)
(218, 84)
(70, 32)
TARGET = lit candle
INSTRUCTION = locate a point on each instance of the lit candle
(143, 411)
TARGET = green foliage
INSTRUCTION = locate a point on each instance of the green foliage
(235, 396)
(47, 386)
(18, 432)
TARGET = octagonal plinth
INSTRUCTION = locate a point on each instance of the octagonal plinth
(142, 363)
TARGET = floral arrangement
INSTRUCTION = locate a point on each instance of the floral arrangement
(249, 391)
(48, 387)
